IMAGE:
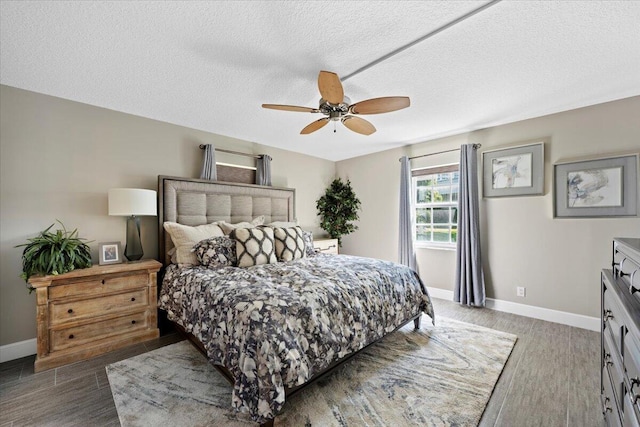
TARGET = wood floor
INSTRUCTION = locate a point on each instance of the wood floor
(551, 379)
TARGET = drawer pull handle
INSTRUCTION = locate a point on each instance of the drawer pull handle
(633, 289)
(133, 322)
(606, 408)
(607, 359)
(70, 311)
(103, 281)
(608, 314)
(71, 336)
(634, 382)
(133, 299)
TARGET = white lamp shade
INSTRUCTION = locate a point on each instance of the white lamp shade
(132, 201)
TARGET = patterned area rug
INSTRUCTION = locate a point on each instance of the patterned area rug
(441, 375)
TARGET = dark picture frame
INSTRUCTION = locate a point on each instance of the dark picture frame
(513, 171)
(604, 187)
(109, 253)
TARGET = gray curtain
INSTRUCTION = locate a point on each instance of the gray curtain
(209, 164)
(406, 253)
(469, 285)
(263, 170)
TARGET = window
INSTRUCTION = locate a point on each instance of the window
(435, 193)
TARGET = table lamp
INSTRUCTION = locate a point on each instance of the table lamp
(132, 203)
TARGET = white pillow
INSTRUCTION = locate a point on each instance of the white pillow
(228, 228)
(184, 237)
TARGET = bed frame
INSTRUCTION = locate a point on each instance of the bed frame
(196, 202)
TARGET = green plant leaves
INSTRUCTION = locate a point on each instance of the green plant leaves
(54, 253)
(337, 208)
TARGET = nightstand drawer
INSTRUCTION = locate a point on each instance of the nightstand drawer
(76, 310)
(78, 335)
(98, 286)
(326, 246)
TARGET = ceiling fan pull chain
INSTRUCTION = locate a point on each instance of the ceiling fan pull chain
(334, 127)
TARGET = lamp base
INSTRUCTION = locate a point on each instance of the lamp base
(133, 249)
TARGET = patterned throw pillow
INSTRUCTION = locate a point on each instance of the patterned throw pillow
(216, 252)
(289, 243)
(254, 246)
(308, 243)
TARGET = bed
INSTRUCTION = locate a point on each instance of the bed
(273, 329)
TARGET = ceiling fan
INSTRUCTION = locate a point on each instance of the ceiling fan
(337, 107)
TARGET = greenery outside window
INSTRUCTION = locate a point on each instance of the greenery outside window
(435, 199)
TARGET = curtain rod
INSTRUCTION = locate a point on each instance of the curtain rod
(475, 146)
(238, 153)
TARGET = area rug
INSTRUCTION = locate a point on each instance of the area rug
(439, 375)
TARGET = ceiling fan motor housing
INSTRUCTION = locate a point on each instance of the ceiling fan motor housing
(334, 111)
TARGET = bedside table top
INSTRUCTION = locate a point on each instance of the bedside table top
(146, 264)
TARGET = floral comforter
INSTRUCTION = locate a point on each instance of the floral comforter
(276, 325)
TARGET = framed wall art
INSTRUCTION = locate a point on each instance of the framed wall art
(109, 253)
(596, 188)
(515, 171)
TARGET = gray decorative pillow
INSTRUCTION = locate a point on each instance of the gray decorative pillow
(254, 246)
(308, 243)
(289, 243)
(216, 252)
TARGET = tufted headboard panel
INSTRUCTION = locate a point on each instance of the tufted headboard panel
(196, 202)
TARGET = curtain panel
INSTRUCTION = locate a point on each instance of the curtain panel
(469, 285)
(406, 252)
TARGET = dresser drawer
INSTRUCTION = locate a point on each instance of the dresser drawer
(326, 246)
(76, 310)
(97, 286)
(630, 413)
(612, 314)
(613, 364)
(609, 405)
(79, 335)
(631, 362)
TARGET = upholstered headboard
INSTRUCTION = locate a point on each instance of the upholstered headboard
(196, 202)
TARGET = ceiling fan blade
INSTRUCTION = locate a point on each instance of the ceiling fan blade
(291, 108)
(314, 126)
(330, 87)
(380, 105)
(358, 125)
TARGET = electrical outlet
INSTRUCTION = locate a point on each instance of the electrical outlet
(521, 291)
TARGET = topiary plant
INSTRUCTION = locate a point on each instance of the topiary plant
(337, 208)
(54, 253)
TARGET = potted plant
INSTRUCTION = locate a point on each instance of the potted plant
(54, 253)
(337, 208)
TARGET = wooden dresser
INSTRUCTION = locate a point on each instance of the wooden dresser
(91, 311)
(326, 246)
(620, 362)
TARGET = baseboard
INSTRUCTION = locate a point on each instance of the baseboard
(556, 316)
(17, 350)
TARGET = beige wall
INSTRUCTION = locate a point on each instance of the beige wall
(59, 158)
(557, 260)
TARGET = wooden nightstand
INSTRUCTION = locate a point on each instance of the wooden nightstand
(91, 311)
(326, 246)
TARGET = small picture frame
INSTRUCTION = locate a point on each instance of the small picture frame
(605, 187)
(109, 253)
(515, 171)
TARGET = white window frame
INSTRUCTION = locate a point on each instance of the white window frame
(418, 175)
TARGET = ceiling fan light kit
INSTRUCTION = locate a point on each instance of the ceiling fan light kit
(337, 107)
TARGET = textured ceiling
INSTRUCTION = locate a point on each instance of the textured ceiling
(210, 65)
